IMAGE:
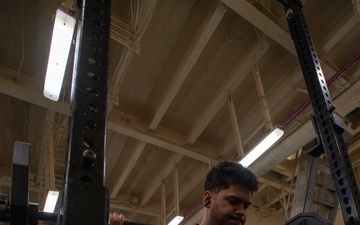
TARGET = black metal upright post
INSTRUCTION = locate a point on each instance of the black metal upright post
(19, 200)
(85, 198)
(330, 135)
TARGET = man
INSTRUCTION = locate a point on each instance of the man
(228, 192)
(229, 188)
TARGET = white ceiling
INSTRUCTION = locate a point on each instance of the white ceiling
(181, 91)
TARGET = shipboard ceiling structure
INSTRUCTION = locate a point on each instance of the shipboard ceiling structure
(191, 83)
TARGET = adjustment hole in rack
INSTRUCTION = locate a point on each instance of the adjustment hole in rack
(88, 142)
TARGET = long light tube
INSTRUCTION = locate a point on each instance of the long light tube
(63, 31)
(51, 200)
(176, 220)
(262, 147)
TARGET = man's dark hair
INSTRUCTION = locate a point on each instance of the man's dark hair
(228, 173)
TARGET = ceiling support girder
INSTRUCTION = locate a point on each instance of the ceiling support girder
(262, 96)
(235, 126)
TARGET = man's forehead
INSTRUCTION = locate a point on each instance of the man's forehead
(236, 190)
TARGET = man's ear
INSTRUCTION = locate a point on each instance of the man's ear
(207, 198)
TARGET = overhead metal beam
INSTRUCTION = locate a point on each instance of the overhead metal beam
(344, 30)
(114, 123)
(182, 73)
(262, 22)
(129, 165)
(267, 26)
(163, 173)
(234, 80)
(235, 126)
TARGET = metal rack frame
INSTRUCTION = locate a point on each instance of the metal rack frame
(329, 132)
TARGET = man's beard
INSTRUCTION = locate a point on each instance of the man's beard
(217, 219)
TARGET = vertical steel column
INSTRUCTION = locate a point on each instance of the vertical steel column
(85, 198)
(330, 134)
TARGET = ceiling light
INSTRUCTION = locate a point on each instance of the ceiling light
(176, 220)
(51, 200)
(63, 31)
(264, 145)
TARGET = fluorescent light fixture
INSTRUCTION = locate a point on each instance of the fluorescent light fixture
(51, 200)
(263, 146)
(63, 31)
(176, 220)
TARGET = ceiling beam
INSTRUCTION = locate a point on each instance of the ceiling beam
(114, 142)
(272, 183)
(135, 210)
(348, 26)
(267, 26)
(237, 76)
(117, 123)
(30, 90)
(162, 174)
(43, 146)
(262, 22)
(191, 58)
(123, 174)
(192, 183)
